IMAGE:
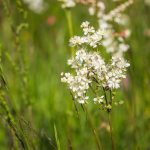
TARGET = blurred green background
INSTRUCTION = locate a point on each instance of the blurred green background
(34, 51)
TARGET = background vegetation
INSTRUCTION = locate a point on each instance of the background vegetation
(37, 111)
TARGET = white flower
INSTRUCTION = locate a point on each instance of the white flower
(67, 3)
(77, 40)
(85, 24)
(106, 22)
(89, 67)
(123, 47)
(99, 99)
(113, 83)
(86, 28)
(110, 16)
(116, 71)
(81, 55)
(147, 2)
(101, 5)
(121, 19)
(91, 10)
(91, 37)
(78, 84)
(36, 5)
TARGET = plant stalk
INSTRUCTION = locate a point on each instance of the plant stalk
(111, 131)
(70, 26)
(97, 140)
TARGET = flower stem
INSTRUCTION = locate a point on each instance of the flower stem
(70, 26)
(105, 96)
(69, 19)
(12, 125)
(97, 140)
(109, 116)
(111, 131)
(110, 92)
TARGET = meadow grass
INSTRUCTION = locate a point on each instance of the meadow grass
(37, 110)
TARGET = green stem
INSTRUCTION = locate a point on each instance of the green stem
(9, 117)
(111, 132)
(110, 92)
(75, 106)
(10, 120)
(105, 96)
(69, 19)
(70, 26)
(97, 140)
(109, 116)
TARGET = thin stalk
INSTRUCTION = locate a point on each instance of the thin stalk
(76, 109)
(111, 132)
(109, 116)
(110, 92)
(69, 19)
(75, 106)
(10, 121)
(9, 117)
(97, 140)
(70, 26)
(105, 96)
(56, 138)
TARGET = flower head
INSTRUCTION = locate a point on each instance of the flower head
(91, 70)
(67, 3)
(91, 37)
(37, 6)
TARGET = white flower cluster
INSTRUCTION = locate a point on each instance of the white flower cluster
(90, 37)
(116, 72)
(78, 84)
(147, 2)
(67, 3)
(91, 68)
(117, 11)
(113, 41)
(36, 5)
(99, 99)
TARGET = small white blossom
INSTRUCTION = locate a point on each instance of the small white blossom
(78, 84)
(37, 6)
(123, 47)
(87, 29)
(67, 3)
(89, 67)
(147, 2)
(91, 37)
(91, 10)
(116, 71)
(121, 19)
(99, 99)
(106, 21)
(110, 16)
